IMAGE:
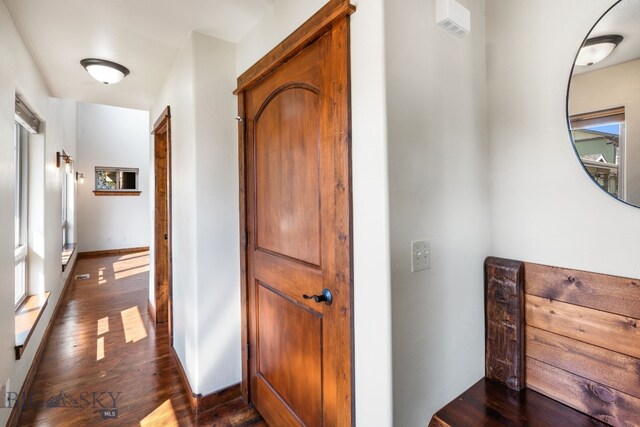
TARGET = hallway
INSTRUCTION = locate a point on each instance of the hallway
(106, 364)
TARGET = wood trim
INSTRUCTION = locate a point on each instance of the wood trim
(220, 397)
(152, 311)
(343, 219)
(243, 248)
(42, 301)
(576, 119)
(112, 252)
(193, 398)
(316, 26)
(16, 411)
(117, 193)
(504, 322)
(67, 254)
(201, 403)
(164, 300)
(166, 114)
(437, 422)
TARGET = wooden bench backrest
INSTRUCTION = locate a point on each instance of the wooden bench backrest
(571, 335)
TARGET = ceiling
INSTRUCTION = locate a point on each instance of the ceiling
(623, 19)
(143, 35)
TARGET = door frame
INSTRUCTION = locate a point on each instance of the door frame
(163, 126)
(333, 13)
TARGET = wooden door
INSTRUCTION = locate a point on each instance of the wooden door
(162, 226)
(298, 219)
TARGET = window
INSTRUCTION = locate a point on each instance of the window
(599, 139)
(65, 208)
(116, 180)
(21, 158)
(67, 202)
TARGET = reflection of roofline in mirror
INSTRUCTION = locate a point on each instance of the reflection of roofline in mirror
(595, 135)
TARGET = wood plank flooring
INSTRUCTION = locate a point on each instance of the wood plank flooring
(105, 354)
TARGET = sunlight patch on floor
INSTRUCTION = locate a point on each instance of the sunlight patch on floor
(134, 329)
(130, 263)
(101, 279)
(134, 255)
(100, 349)
(164, 415)
(103, 325)
(131, 272)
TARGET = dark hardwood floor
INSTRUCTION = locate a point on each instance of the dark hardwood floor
(105, 354)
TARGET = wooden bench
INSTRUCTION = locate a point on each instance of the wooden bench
(562, 349)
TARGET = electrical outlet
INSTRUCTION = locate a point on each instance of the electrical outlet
(420, 255)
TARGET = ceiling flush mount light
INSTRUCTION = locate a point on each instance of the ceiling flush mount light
(104, 71)
(596, 49)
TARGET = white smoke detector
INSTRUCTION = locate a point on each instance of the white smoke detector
(453, 17)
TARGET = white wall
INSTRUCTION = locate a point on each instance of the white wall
(372, 300)
(218, 245)
(610, 87)
(206, 264)
(545, 209)
(282, 18)
(18, 73)
(178, 92)
(439, 191)
(112, 137)
(370, 186)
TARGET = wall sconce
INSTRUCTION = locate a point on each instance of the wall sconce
(68, 161)
(80, 177)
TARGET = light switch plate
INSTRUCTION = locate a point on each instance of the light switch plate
(420, 255)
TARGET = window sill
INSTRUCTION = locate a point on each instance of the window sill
(67, 253)
(117, 193)
(27, 316)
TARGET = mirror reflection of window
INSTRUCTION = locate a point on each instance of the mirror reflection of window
(599, 139)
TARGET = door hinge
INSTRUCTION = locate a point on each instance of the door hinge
(248, 352)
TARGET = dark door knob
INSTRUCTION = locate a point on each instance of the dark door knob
(324, 297)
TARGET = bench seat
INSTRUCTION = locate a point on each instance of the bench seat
(489, 403)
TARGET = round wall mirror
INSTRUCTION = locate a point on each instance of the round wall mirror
(603, 102)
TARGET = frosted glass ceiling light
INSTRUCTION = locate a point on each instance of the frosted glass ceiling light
(596, 49)
(104, 71)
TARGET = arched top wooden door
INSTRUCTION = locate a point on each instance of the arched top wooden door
(296, 170)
